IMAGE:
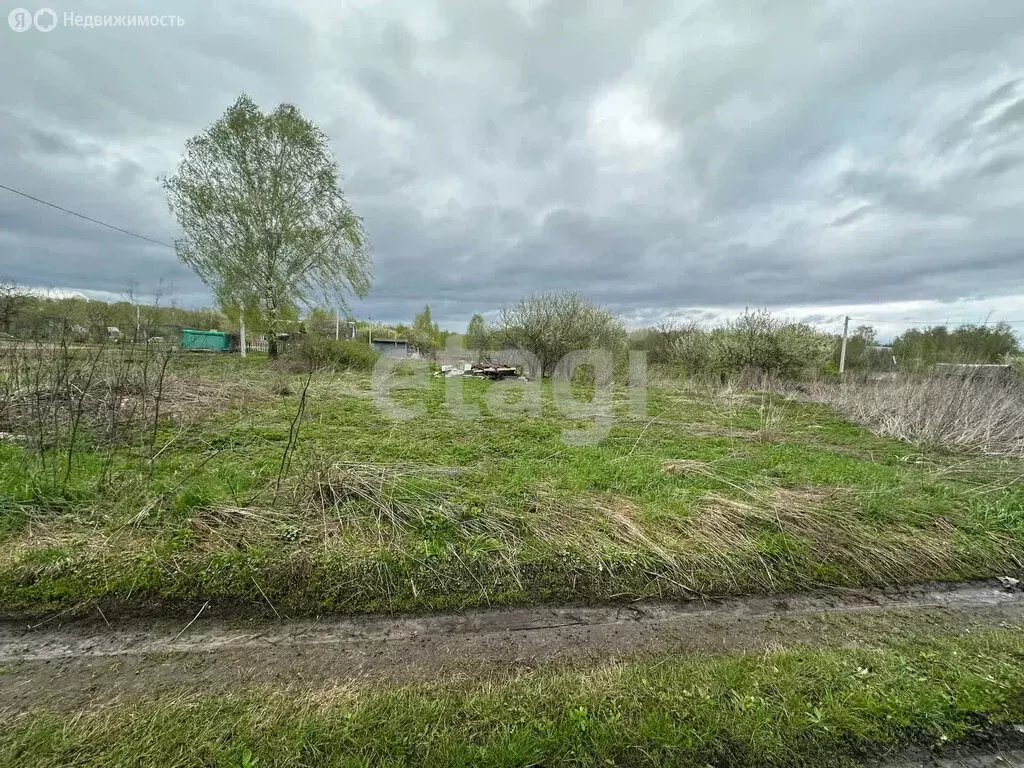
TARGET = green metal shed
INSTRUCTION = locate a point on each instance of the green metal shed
(214, 341)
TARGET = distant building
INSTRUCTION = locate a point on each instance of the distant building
(209, 341)
(392, 347)
(879, 358)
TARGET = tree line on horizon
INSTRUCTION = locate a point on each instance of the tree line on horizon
(549, 325)
(268, 229)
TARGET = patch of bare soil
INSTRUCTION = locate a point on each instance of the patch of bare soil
(1001, 747)
(1004, 758)
(91, 662)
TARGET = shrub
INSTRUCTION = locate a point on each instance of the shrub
(920, 349)
(551, 325)
(693, 349)
(425, 334)
(759, 341)
(687, 346)
(755, 342)
(320, 354)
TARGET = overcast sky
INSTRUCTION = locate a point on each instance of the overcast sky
(818, 157)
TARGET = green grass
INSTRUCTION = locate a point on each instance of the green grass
(797, 707)
(778, 495)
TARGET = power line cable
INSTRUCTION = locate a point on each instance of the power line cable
(130, 233)
(934, 322)
(86, 218)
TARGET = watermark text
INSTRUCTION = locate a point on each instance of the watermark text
(46, 19)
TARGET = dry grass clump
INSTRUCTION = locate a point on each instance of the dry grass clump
(589, 523)
(756, 537)
(768, 538)
(101, 409)
(232, 526)
(684, 467)
(954, 412)
(55, 394)
(787, 528)
(751, 539)
(625, 529)
(387, 502)
(189, 396)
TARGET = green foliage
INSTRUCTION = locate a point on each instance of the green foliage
(78, 319)
(323, 322)
(319, 353)
(265, 223)
(478, 337)
(424, 334)
(862, 352)
(757, 340)
(551, 325)
(752, 341)
(287, 319)
(687, 346)
(966, 344)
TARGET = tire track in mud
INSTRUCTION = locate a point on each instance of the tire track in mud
(93, 661)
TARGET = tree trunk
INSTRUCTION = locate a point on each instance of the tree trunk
(271, 326)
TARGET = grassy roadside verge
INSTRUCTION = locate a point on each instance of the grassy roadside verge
(796, 707)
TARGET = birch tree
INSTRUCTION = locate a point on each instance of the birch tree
(265, 223)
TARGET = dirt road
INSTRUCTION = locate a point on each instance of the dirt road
(91, 662)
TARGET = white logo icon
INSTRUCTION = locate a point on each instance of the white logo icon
(20, 20)
(45, 19)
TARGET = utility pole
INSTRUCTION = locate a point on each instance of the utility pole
(842, 352)
(337, 325)
(241, 333)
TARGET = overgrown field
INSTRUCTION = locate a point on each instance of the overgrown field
(140, 478)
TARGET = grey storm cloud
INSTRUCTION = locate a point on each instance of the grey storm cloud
(658, 156)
